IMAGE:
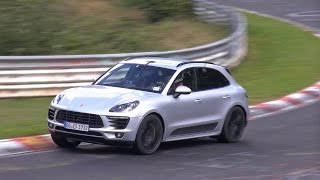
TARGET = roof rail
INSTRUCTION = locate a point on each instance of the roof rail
(129, 58)
(189, 62)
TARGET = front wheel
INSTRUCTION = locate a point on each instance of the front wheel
(149, 135)
(64, 142)
(234, 125)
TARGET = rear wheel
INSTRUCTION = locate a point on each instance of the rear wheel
(149, 135)
(63, 142)
(234, 125)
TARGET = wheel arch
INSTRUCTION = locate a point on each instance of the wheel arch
(244, 111)
(161, 119)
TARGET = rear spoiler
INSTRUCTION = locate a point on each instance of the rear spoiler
(227, 69)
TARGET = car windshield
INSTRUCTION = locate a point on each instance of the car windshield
(137, 76)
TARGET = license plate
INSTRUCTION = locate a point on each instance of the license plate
(76, 126)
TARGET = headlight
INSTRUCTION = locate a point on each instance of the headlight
(125, 107)
(58, 98)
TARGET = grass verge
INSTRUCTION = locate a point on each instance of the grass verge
(97, 26)
(282, 59)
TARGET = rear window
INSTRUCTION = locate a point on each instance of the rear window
(210, 79)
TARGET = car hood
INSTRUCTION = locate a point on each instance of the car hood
(99, 99)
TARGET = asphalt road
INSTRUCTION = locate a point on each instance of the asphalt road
(286, 146)
(306, 12)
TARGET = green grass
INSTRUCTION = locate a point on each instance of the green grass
(281, 60)
(23, 116)
(38, 27)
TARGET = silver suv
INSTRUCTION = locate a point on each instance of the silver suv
(142, 102)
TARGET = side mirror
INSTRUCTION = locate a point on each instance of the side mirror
(181, 90)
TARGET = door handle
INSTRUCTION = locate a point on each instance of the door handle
(198, 101)
(226, 97)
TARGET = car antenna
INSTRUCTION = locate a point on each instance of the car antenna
(148, 62)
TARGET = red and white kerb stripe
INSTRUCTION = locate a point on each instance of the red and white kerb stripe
(300, 98)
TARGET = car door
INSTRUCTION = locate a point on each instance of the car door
(215, 93)
(184, 110)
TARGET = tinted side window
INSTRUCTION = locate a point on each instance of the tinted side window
(187, 78)
(210, 79)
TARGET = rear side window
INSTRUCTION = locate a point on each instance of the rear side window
(210, 79)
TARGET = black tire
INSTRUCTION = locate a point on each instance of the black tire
(233, 127)
(64, 142)
(149, 135)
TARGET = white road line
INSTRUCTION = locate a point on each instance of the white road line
(303, 154)
(305, 14)
(309, 19)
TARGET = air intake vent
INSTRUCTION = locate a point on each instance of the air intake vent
(118, 122)
(51, 114)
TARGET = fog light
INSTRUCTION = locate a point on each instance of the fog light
(119, 134)
(50, 125)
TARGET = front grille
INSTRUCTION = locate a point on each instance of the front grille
(93, 120)
(118, 123)
(92, 133)
(51, 114)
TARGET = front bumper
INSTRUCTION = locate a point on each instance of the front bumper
(107, 134)
(91, 139)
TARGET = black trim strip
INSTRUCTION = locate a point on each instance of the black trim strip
(195, 129)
